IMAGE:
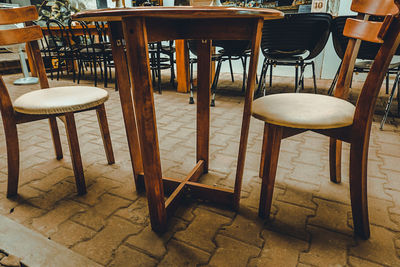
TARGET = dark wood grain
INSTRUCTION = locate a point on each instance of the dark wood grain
(178, 12)
(335, 160)
(203, 101)
(173, 200)
(11, 134)
(73, 143)
(105, 133)
(138, 61)
(273, 138)
(244, 133)
(160, 29)
(125, 95)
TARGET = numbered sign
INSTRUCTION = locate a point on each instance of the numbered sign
(318, 6)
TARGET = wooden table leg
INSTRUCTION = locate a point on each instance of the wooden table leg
(182, 66)
(125, 95)
(203, 101)
(251, 81)
(138, 60)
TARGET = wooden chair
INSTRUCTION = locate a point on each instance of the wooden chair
(49, 103)
(286, 115)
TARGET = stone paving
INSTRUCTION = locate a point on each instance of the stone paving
(311, 223)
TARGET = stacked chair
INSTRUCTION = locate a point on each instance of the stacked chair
(60, 48)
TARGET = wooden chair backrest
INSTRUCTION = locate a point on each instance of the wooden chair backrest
(386, 33)
(19, 35)
(374, 7)
(29, 34)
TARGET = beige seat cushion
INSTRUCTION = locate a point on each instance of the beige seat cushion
(305, 111)
(58, 100)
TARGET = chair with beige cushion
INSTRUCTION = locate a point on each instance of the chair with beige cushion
(48, 103)
(286, 115)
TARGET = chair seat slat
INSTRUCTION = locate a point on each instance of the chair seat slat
(20, 35)
(364, 30)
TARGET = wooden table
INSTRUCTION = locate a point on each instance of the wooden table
(138, 26)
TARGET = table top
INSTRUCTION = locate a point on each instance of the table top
(179, 12)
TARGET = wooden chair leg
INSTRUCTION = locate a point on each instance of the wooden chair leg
(75, 153)
(358, 188)
(12, 158)
(263, 149)
(56, 138)
(273, 137)
(335, 160)
(105, 133)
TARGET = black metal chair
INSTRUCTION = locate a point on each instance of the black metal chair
(45, 48)
(90, 52)
(159, 62)
(231, 50)
(294, 41)
(105, 45)
(192, 45)
(59, 47)
(366, 54)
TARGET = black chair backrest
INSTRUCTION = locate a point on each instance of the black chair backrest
(87, 41)
(102, 32)
(233, 47)
(44, 42)
(367, 50)
(77, 40)
(296, 33)
(59, 40)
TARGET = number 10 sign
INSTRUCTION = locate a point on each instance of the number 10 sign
(318, 6)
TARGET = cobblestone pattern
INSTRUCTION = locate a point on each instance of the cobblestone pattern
(311, 221)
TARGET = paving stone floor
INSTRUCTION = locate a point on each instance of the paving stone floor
(311, 221)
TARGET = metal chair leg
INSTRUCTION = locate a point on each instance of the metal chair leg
(270, 72)
(191, 99)
(387, 82)
(159, 66)
(296, 77)
(332, 87)
(215, 82)
(231, 69)
(389, 103)
(244, 73)
(261, 84)
(301, 79)
(314, 78)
